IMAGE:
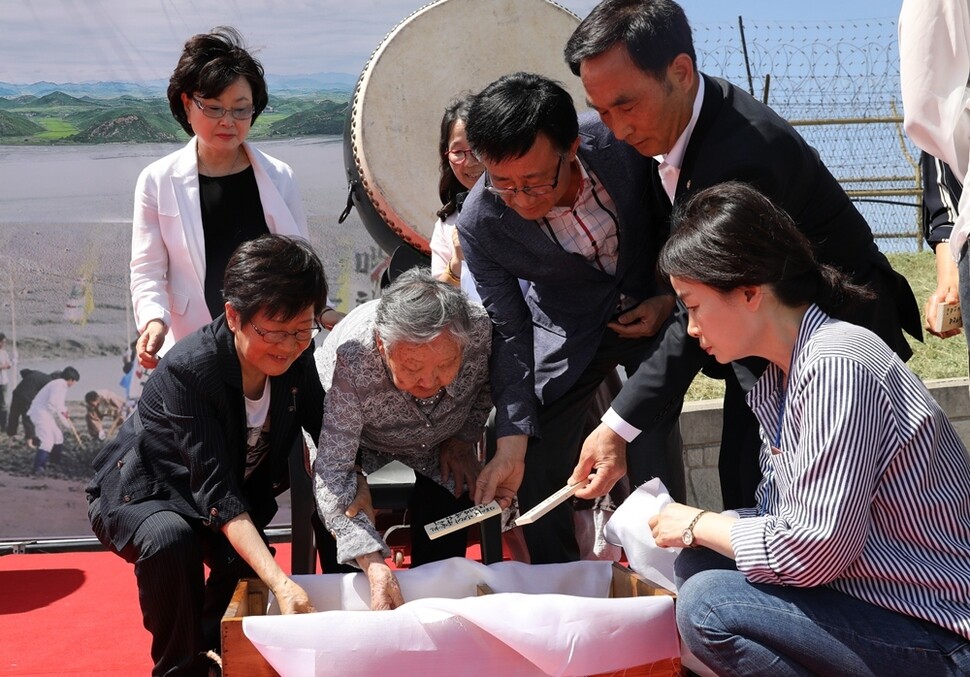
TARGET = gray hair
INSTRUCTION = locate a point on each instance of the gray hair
(417, 308)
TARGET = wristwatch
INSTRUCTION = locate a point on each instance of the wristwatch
(688, 536)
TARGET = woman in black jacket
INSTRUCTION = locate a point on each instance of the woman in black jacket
(192, 477)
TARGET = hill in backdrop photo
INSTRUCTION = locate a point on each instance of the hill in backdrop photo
(123, 112)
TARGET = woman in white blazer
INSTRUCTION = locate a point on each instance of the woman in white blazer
(196, 205)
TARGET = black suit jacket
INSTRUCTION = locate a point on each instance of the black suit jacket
(184, 449)
(738, 138)
(543, 342)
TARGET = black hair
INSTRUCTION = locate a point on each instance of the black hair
(279, 274)
(730, 235)
(210, 62)
(70, 374)
(90, 396)
(508, 115)
(654, 33)
(448, 184)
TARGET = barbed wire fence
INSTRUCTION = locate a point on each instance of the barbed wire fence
(838, 84)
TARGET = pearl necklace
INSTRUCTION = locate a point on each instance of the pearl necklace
(428, 401)
(207, 171)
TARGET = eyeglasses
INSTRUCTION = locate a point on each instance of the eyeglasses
(531, 191)
(462, 156)
(300, 336)
(218, 112)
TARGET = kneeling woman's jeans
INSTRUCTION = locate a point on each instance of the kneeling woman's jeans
(739, 628)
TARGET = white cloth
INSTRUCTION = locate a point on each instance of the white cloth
(168, 243)
(934, 68)
(628, 528)
(552, 619)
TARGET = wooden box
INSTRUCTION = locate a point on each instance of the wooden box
(241, 659)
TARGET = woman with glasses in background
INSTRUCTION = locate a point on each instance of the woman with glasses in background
(196, 205)
(460, 170)
(193, 475)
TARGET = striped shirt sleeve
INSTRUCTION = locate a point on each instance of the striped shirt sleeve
(867, 493)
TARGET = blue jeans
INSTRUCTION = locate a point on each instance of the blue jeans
(739, 628)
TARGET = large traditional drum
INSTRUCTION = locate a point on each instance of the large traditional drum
(444, 49)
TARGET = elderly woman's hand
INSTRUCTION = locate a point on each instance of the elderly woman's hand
(292, 598)
(385, 593)
(458, 460)
(362, 501)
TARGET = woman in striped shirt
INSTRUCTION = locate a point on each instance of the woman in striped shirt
(856, 560)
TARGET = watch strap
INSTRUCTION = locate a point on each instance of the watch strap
(693, 523)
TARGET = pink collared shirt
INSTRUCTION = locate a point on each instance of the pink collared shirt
(589, 226)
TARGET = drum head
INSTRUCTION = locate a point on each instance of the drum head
(443, 50)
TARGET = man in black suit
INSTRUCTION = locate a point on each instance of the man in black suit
(637, 63)
(31, 381)
(562, 206)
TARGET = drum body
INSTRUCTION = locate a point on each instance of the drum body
(441, 51)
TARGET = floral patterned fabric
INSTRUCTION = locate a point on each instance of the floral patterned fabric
(364, 411)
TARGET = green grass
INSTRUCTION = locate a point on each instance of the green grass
(265, 121)
(932, 359)
(56, 129)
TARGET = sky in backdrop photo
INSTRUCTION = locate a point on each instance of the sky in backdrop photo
(136, 40)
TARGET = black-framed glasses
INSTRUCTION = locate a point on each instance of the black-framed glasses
(300, 336)
(218, 112)
(460, 157)
(531, 191)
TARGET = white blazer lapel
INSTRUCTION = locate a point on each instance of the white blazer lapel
(279, 219)
(185, 189)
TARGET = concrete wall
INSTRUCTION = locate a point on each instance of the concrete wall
(700, 426)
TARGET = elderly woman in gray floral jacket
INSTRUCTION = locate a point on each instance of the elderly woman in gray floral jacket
(407, 379)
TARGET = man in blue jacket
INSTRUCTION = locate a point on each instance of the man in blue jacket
(566, 207)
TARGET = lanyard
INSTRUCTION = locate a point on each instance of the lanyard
(776, 448)
(781, 419)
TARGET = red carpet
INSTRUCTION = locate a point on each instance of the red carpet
(77, 614)
(70, 614)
